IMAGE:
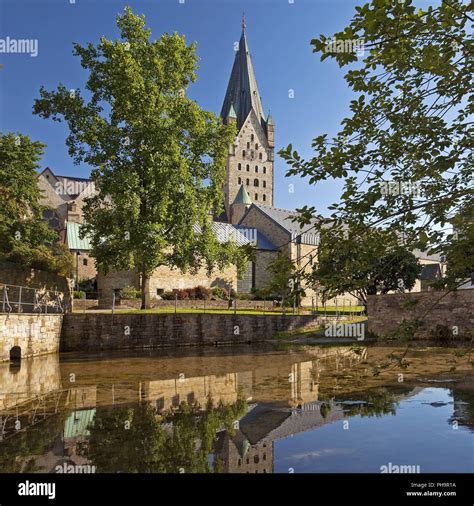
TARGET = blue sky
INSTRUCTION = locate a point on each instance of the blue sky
(279, 34)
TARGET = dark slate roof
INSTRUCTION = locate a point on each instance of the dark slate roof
(430, 271)
(423, 255)
(242, 91)
(283, 217)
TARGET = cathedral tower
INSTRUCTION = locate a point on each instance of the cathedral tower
(250, 159)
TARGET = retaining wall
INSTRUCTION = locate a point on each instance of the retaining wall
(35, 334)
(442, 315)
(84, 332)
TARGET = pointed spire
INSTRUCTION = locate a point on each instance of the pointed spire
(232, 113)
(242, 91)
(244, 26)
(270, 119)
(242, 196)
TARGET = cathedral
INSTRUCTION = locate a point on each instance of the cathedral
(249, 215)
(251, 156)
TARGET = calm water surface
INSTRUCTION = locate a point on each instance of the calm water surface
(257, 410)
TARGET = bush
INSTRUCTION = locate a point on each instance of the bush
(182, 294)
(130, 292)
(202, 293)
(79, 294)
(167, 295)
(220, 293)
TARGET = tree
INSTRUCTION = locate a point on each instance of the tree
(405, 152)
(158, 159)
(285, 280)
(24, 236)
(364, 264)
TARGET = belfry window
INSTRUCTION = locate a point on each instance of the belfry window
(247, 182)
(240, 166)
(252, 137)
(248, 168)
(255, 182)
(256, 168)
(260, 156)
(248, 145)
(243, 153)
(264, 197)
(240, 180)
(256, 146)
(256, 196)
(264, 170)
(264, 184)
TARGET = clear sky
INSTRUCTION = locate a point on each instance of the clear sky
(278, 32)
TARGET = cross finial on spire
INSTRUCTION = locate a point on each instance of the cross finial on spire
(243, 21)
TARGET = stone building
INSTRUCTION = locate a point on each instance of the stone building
(251, 155)
(249, 214)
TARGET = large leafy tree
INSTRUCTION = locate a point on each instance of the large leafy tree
(364, 264)
(24, 236)
(410, 123)
(158, 159)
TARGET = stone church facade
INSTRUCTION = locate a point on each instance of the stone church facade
(249, 213)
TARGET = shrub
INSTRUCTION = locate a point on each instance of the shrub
(202, 293)
(167, 295)
(183, 294)
(79, 294)
(130, 292)
(220, 293)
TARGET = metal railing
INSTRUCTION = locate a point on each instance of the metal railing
(25, 299)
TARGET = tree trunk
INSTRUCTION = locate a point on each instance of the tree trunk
(145, 291)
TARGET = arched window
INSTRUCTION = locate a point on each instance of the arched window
(240, 166)
(248, 168)
(264, 184)
(240, 180)
(248, 182)
(256, 196)
(252, 137)
(256, 146)
(256, 459)
(255, 182)
(248, 145)
(260, 156)
(264, 170)
(256, 168)
(264, 197)
(243, 153)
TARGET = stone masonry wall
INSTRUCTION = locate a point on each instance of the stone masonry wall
(108, 332)
(451, 315)
(34, 334)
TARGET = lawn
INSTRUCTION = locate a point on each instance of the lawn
(330, 310)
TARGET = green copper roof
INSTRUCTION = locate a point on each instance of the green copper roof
(232, 113)
(74, 242)
(242, 91)
(242, 196)
(78, 422)
(270, 119)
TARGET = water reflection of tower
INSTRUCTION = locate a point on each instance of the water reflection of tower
(238, 455)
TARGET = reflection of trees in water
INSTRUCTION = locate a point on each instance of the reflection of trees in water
(17, 452)
(377, 403)
(137, 440)
(463, 398)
